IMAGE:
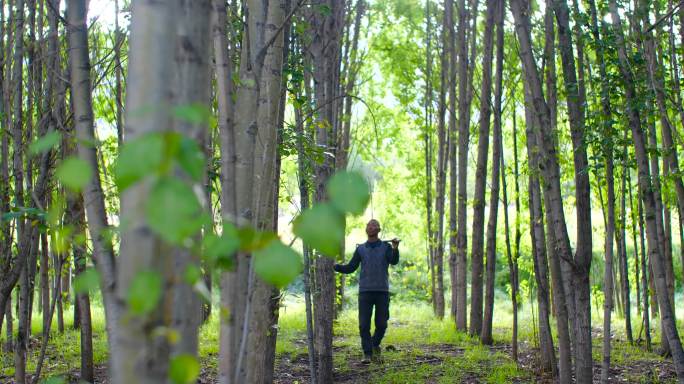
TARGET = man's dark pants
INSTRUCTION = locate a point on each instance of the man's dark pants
(368, 300)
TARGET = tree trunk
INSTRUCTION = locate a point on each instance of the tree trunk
(5, 188)
(644, 276)
(44, 278)
(226, 110)
(76, 218)
(463, 139)
(659, 220)
(538, 239)
(103, 253)
(13, 273)
(486, 333)
(57, 286)
(450, 48)
(670, 160)
(442, 154)
(325, 59)
(512, 270)
(23, 232)
(304, 179)
(428, 156)
(481, 175)
(624, 268)
(191, 87)
(582, 261)
(118, 75)
(550, 170)
(649, 203)
(608, 271)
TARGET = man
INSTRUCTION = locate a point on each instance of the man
(374, 256)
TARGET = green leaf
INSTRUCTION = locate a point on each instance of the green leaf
(196, 113)
(277, 264)
(220, 250)
(251, 239)
(192, 274)
(45, 143)
(74, 173)
(139, 158)
(191, 158)
(322, 227)
(144, 292)
(173, 211)
(349, 192)
(184, 369)
(60, 239)
(55, 211)
(86, 281)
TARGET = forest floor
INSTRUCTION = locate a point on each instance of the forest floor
(418, 349)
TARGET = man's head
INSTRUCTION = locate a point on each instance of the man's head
(373, 228)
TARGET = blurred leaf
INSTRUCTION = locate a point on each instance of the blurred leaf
(321, 227)
(144, 292)
(87, 281)
(349, 192)
(184, 369)
(192, 113)
(277, 264)
(138, 158)
(220, 250)
(45, 143)
(55, 211)
(191, 158)
(251, 239)
(60, 239)
(173, 210)
(18, 212)
(80, 239)
(74, 173)
(192, 274)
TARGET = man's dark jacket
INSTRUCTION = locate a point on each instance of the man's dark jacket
(375, 258)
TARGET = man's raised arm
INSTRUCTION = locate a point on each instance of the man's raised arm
(351, 266)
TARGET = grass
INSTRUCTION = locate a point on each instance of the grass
(413, 330)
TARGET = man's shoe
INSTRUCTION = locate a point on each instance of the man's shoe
(366, 359)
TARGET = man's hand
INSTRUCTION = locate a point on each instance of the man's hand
(395, 243)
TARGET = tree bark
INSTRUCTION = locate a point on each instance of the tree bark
(648, 198)
(326, 60)
(226, 125)
(463, 139)
(481, 174)
(486, 333)
(582, 260)
(550, 170)
(191, 87)
(450, 153)
(644, 266)
(442, 154)
(103, 253)
(429, 155)
(76, 218)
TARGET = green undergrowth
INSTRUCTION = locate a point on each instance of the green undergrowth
(427, 349)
